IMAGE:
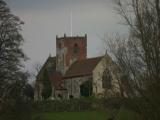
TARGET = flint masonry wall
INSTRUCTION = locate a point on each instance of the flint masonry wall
(73, 85)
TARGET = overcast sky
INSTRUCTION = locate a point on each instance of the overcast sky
(44, 19)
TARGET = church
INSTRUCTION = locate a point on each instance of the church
(73, 75)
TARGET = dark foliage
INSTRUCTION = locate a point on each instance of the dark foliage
(29, 92)
(86, 88)
(47, 88)
(84, 104)
(13, 80)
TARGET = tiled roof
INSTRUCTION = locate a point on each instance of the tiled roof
(82, 68)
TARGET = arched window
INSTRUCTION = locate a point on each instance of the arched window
(75, 49)
(107, 79)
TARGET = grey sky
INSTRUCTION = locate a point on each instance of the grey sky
(44, 19)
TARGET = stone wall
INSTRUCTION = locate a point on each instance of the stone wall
(73, 85)
(98, 88)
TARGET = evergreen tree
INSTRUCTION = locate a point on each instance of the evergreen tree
(47, 89)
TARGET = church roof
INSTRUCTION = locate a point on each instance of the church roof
(82, 68)
(50, 60)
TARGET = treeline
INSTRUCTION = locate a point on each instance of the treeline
(14, 94)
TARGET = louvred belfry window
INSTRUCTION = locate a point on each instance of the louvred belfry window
(60, 45)
(75, 49)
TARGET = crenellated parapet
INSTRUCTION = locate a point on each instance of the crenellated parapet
(70, 49)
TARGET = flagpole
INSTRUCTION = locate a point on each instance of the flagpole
(71, 22)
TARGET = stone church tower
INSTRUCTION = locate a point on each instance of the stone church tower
(68, 50)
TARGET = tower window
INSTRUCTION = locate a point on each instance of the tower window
(76, 49)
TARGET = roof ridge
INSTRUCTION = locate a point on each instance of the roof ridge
(90, 58)
(78, 61)
(83, 67)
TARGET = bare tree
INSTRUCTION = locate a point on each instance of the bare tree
(138, 55)
(143, 18)
(37, 67)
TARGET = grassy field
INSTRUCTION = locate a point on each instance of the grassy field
(72, 116)
(102, 115)
(125, 114)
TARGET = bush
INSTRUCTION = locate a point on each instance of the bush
(83, 104)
